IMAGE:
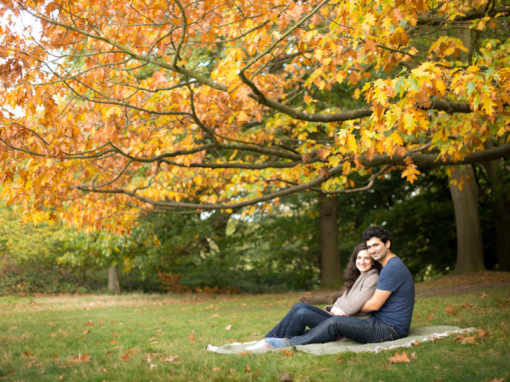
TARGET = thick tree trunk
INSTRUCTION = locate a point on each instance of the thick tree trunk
(113, 280)
(499, 203)
(464, 191)
(331, 269)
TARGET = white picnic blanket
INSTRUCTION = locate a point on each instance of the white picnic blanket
(416, 335)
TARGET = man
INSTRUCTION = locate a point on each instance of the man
(392, 303)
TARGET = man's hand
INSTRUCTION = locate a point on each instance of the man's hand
(377, 301)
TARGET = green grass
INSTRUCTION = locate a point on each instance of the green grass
(162, 338)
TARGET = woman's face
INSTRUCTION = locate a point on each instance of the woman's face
(363, 261)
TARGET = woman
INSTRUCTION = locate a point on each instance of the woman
(361, 276)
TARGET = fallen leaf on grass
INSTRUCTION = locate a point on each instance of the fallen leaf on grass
(79, 358)
(248, 368)
(451, 311)
(399, 358)
(192, 336)
(467, 340)
(89, 323)
(113, 342)
(13, 328)
(171, 358)
(482, 333)
(483, 295)
(216, 368)
(430, 316)
(28, 354)
(125, 356)
(498, 380)
(228, 327)
(286, 352)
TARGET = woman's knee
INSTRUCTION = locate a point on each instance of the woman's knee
(300, 305)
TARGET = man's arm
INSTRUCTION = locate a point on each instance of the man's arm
(377, 301)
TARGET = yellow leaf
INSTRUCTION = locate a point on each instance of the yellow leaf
(399, 358)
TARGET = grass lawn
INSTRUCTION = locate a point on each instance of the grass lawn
(139, 337)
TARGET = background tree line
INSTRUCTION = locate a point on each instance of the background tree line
(276, 251)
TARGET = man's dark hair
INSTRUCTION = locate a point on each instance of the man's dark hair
(378, 232)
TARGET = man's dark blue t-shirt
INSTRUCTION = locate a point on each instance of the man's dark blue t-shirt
(397, 311)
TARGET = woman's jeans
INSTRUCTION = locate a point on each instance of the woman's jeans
(295, 322)
(364, 331)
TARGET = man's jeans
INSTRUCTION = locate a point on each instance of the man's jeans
(364, 331)
(295, 322)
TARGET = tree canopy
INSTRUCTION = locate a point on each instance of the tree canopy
(112, 106)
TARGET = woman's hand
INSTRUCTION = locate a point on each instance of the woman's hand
(336, 311)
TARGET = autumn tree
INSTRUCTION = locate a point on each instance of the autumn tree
(111, 107)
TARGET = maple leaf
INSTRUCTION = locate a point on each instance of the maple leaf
(467, 340)
(451, 311)
(411, 171)
(126, 355)
(171, 358)
(399, 358)
(482, 333)
(79, 358)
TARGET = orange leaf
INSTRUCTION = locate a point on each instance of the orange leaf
(79, 358)
(451, 311)
(192, 336)
(483, 295)
(171, 358)
(286, 352)
(482, 333)
(126, 357)
(28, 354)
(467, 340)
(399, 358)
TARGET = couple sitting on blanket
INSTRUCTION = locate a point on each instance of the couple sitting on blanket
(375, 307)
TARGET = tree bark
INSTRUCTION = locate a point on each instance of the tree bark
(467, 219)
(331, 269)
(113, 280)
(500, 211)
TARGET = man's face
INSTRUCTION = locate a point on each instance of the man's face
(377, 249)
